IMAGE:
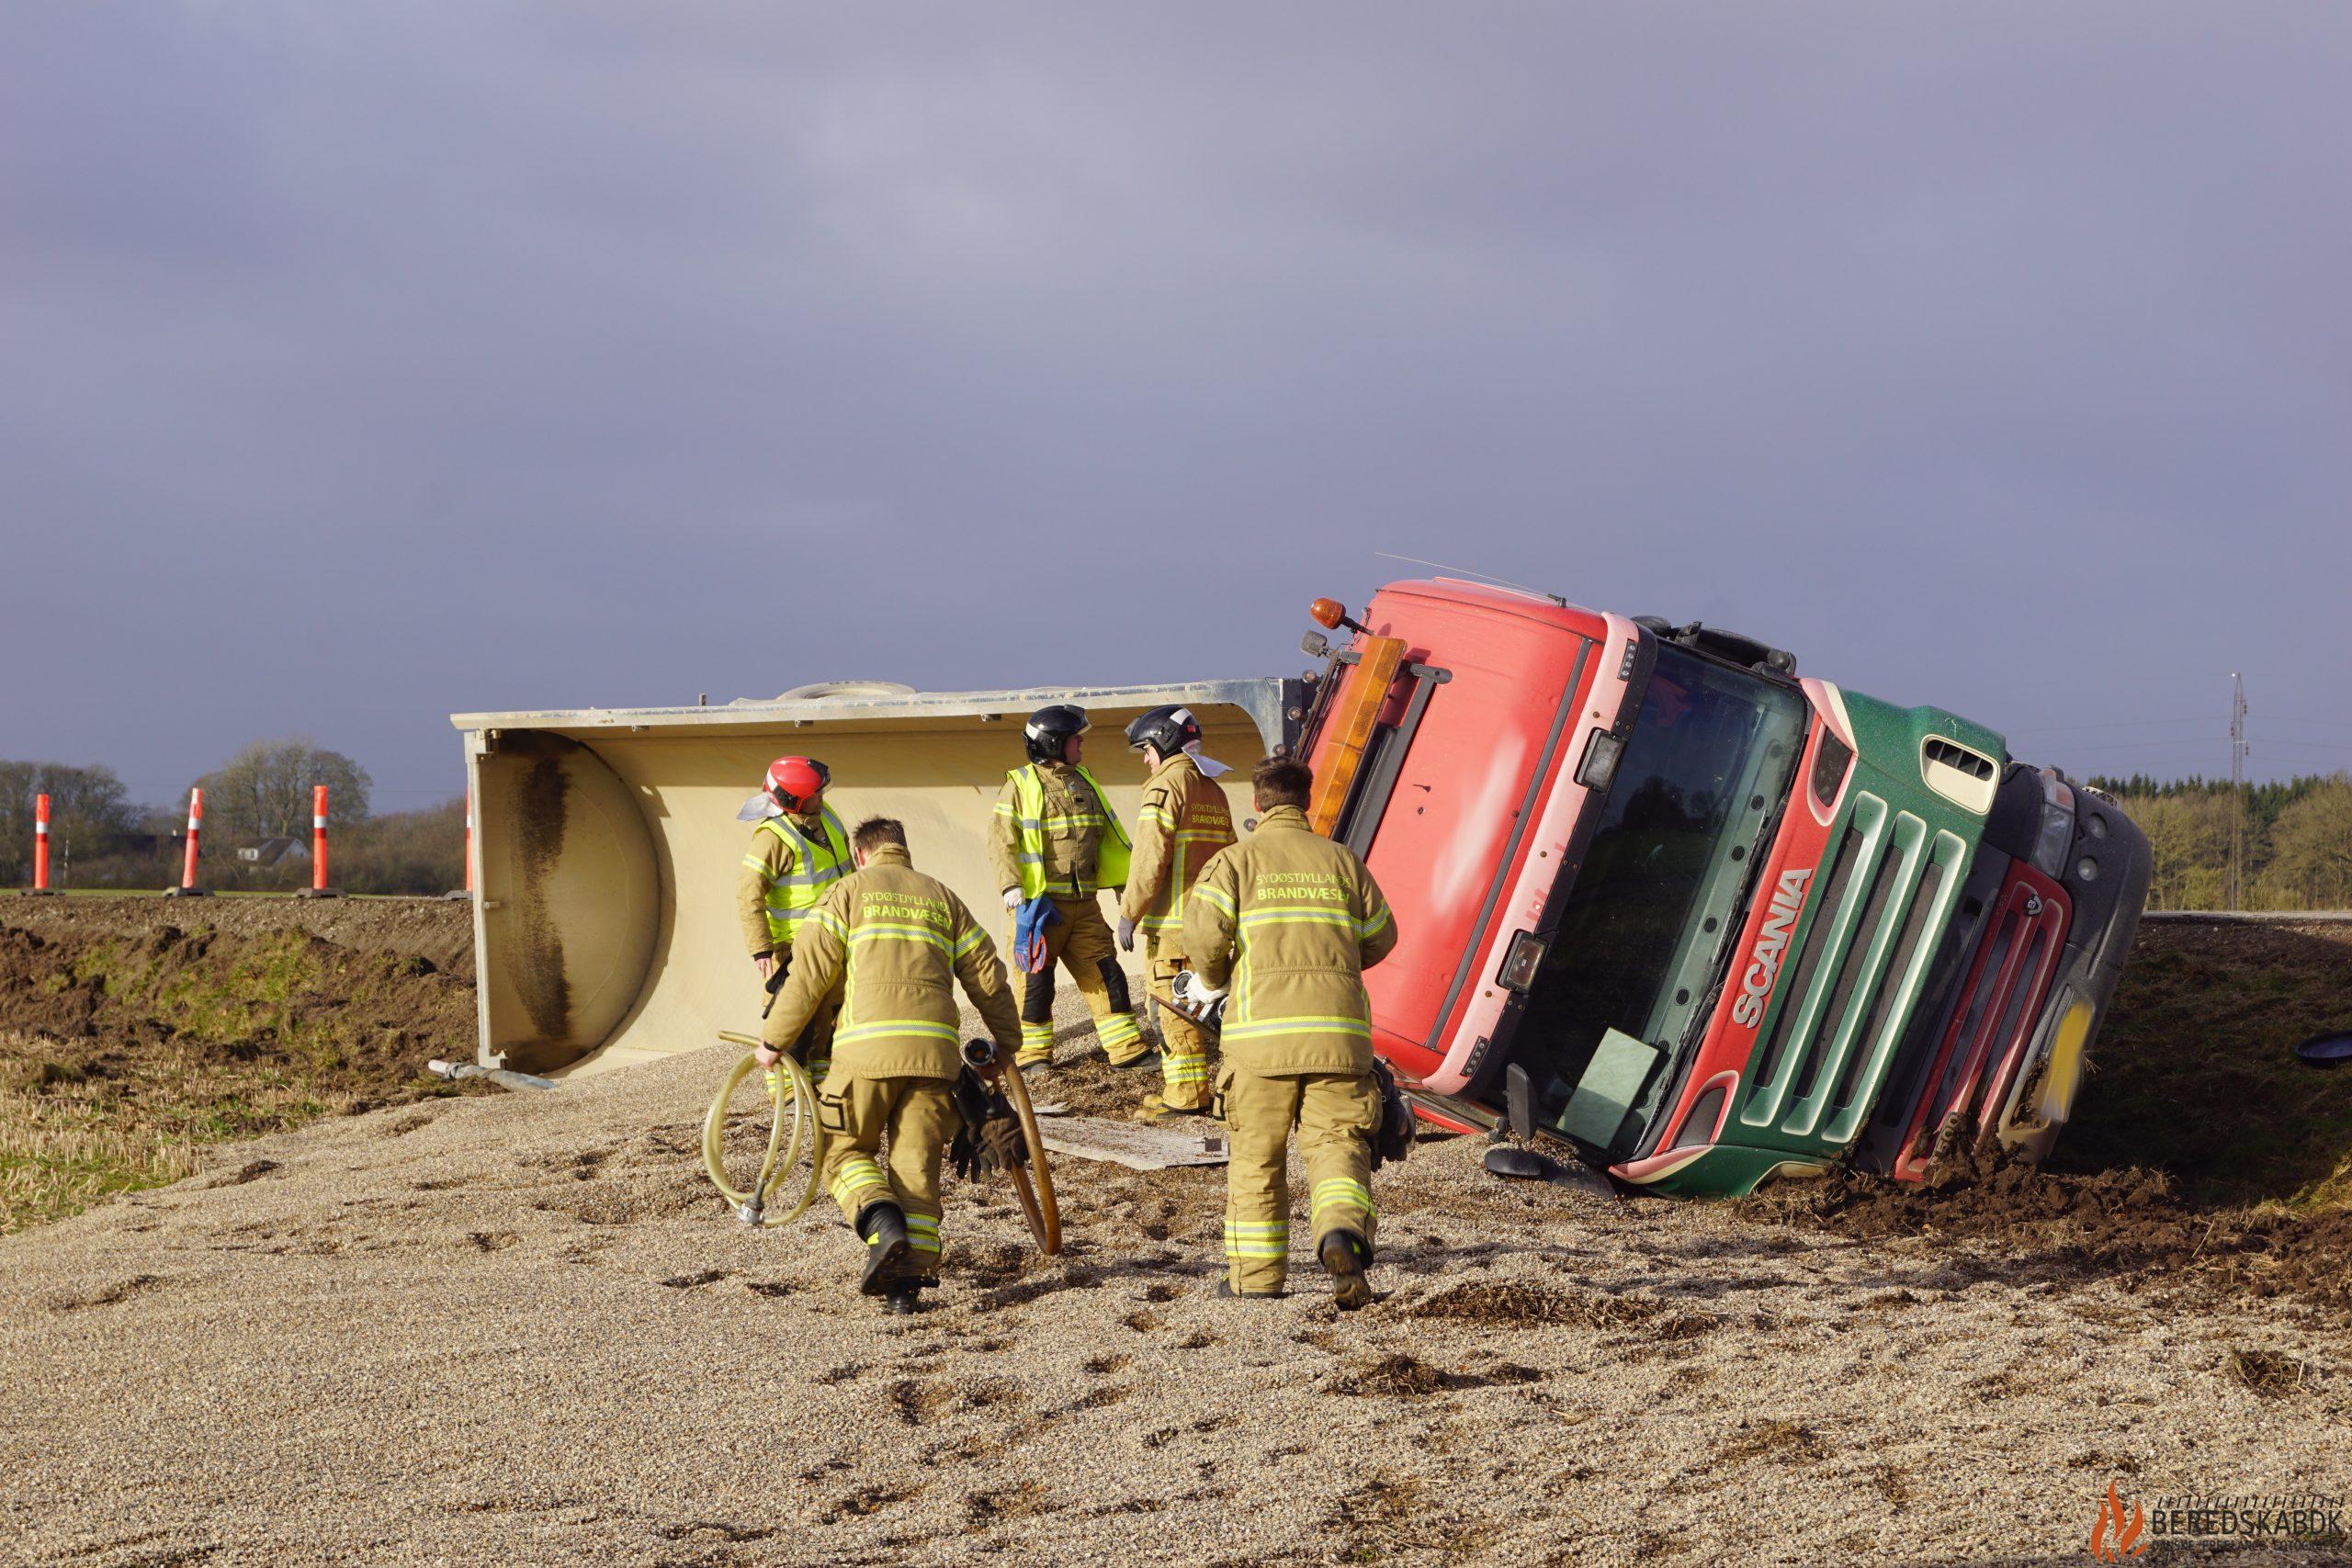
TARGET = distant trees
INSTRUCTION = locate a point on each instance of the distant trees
(88, 811)
(264, 792)
(2311, 851)
(404, 851)
(2189, 835)
(2298, 841)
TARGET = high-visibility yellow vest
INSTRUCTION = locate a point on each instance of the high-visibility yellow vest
(1029, 803)
(814, 868)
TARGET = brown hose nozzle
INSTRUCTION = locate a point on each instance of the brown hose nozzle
(979, 1052)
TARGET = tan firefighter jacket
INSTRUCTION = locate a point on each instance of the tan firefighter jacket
(1183, 820)
(1292, 920)
(1066, 831)
(774, 890)
(900, 941)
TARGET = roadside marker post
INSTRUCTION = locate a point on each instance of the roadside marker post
(319, 888)
(188, 887)
(41, 888)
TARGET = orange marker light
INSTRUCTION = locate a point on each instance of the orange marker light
(1328, 613)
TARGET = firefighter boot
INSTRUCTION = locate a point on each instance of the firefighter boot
(1158, 1113)
(904, 1301)
(1345, 1254)
(884, 1226)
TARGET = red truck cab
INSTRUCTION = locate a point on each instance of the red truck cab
(1701, 921)
(1463, 808)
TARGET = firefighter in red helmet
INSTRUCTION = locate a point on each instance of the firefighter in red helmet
(798, 850)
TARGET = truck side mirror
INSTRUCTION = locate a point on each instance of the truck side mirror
(1518, 1100)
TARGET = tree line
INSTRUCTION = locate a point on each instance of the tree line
(2291, 840)
(100, 839)
(2296, 854)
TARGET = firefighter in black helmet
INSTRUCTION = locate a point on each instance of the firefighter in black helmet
(1055, 845)
(1185, 820)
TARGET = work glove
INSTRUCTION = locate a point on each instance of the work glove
(1126, 934)
(1012, 898)
(1191, 987)
(1001, 1147)
(1195, 998)
(996, 1146)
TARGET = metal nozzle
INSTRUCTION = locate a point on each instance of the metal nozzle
(979, 1052)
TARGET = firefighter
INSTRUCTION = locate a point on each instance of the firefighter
(1306, 920)
(797, 853)
(1056, 844)
(1185, 820)
(900, 943)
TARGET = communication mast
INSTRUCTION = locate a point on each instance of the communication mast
(2237, 790)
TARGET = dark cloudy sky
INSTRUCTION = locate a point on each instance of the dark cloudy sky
(366, 362)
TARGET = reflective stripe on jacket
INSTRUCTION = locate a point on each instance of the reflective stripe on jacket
(1185, 820)
(1288, 921)
(1055, 833)
(797, 859)
(900, 943)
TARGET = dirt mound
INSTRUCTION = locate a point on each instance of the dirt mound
(2194, 1071)
(1507, 1304)
(276, 995)
(2203, 1160)
(439, 930)
(129, 1046)
(2127, 1222)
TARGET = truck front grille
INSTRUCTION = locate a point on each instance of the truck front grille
(1842, 1006)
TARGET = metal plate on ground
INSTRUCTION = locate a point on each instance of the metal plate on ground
(1136, 1145)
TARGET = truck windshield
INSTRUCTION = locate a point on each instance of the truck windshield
(1706, 766)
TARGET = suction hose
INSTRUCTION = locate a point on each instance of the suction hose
(1037, 1203)
(794, 1093)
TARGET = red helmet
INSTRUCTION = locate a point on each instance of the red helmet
(798, 784)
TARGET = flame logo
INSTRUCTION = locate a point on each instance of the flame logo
(2115, 1537)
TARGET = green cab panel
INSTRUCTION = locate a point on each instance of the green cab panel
(1886, 889)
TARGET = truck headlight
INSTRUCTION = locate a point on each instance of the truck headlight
(1600, 764)
(2057, 834)
(1519, 964)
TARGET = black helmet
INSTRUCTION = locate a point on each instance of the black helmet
(1171, 729)
(1049, 729)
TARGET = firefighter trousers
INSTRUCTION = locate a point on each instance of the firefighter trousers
(1335, 1114)
(916, 1118)
(1183, 1045)
(1080, 942)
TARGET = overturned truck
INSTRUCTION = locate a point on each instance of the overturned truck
(1658, 897)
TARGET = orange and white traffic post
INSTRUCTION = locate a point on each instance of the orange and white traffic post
(319, 888)
(41, 888)
(188, 887)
